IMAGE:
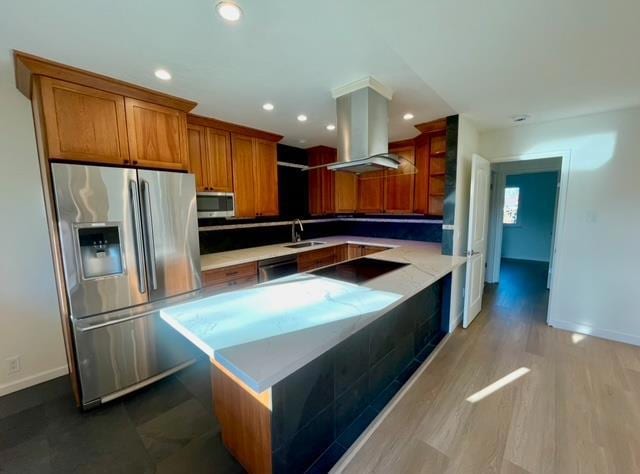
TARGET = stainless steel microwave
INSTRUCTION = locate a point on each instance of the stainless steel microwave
(215, 204)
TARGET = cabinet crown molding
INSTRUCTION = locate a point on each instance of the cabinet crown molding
(210, 122)
(28, 65)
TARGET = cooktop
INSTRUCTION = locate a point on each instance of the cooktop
(358, 270)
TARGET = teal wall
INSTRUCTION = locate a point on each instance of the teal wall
(530, 238)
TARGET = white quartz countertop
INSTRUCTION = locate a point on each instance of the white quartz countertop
(265, 333)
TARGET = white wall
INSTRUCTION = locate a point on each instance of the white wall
(467, 146)
(596, 266)
(29, 318)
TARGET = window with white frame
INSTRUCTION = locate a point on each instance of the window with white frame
(511, 202)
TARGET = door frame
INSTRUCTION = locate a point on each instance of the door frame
(494, 250)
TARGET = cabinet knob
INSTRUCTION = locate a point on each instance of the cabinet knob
(135, 162)
(126, 162)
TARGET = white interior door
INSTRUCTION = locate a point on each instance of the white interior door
(477, 240)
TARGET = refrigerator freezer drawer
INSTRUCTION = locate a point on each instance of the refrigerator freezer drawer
(116, 356)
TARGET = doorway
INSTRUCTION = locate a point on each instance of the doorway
(523, 223)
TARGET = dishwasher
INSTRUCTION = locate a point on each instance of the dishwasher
(277, 267)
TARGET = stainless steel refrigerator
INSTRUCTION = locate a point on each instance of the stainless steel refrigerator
(129, 244)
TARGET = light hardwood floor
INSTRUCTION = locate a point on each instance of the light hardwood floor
(577, 410)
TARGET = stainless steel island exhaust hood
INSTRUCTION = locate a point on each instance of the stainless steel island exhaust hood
(363, 127)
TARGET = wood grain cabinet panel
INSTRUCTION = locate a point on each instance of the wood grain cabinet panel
(157, 135)
(83, 123)
(398, 184)
(233, 277)
(421, 178)
(243, 169)
(255, 176)
(266, 177)
(197, 148)
(308, 261)
(346, 191)
(218, 157)
(371, 192)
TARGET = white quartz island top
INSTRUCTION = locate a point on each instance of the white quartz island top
(265, 333)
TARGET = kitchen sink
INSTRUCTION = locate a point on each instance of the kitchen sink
(300, 245)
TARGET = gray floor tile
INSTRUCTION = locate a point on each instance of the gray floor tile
(205, 455)
(28, 457)
(171, 431)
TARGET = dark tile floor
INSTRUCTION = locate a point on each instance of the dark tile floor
(167, 427)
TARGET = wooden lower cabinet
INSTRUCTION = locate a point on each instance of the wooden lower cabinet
(231, 278)
(359, 250)
(313, 259)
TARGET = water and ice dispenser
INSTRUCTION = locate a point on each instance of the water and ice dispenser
(100, 250)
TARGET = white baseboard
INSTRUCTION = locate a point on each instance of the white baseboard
(593, 331)
(456, 322)
(31, 380)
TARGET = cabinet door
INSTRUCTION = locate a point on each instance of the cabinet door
(219, 175)
(346, 191)
(370, 191)
(398, 184)
(421, 191)
(84, 124)
(157, 135)
(266, 178)
(243, 168)
(197, 155)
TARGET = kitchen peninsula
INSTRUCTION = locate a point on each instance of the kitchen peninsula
(309, 366)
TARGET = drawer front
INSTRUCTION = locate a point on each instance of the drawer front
(235, 284)
(316, 258)
(225, 274)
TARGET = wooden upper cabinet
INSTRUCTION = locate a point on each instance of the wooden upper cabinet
(398, 184)
(218, 158)
(157, 135)
(346, 191)
(255, 176)
(243, 168)
(83, 123)
(266, 177)
(197, 155)
(421, 191)
(371, 191)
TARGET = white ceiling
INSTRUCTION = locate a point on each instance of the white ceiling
(490, 60)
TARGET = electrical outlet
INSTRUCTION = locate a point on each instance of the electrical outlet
(13, 364)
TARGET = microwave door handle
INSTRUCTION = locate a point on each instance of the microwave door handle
(148, 223)
(135, 209)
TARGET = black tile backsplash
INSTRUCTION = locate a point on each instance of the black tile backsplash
(219, 241)
(328, 403)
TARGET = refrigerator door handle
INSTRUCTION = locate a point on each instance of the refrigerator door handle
(148, 223)
(135, 205)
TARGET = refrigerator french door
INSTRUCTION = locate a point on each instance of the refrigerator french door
(129, 243)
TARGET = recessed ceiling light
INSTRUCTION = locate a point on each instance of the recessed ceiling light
(302, 140)
(407, 116)
(520, 118)
(302, 118)
(229, 11)
(267, 106)
(163, 74)
(331, 127)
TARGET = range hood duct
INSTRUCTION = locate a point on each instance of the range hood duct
(363, 128)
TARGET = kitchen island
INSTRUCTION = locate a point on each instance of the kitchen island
(301, 365)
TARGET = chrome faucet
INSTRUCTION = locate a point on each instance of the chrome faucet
(295, 236)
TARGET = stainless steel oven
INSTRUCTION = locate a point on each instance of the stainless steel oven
(215, 204)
